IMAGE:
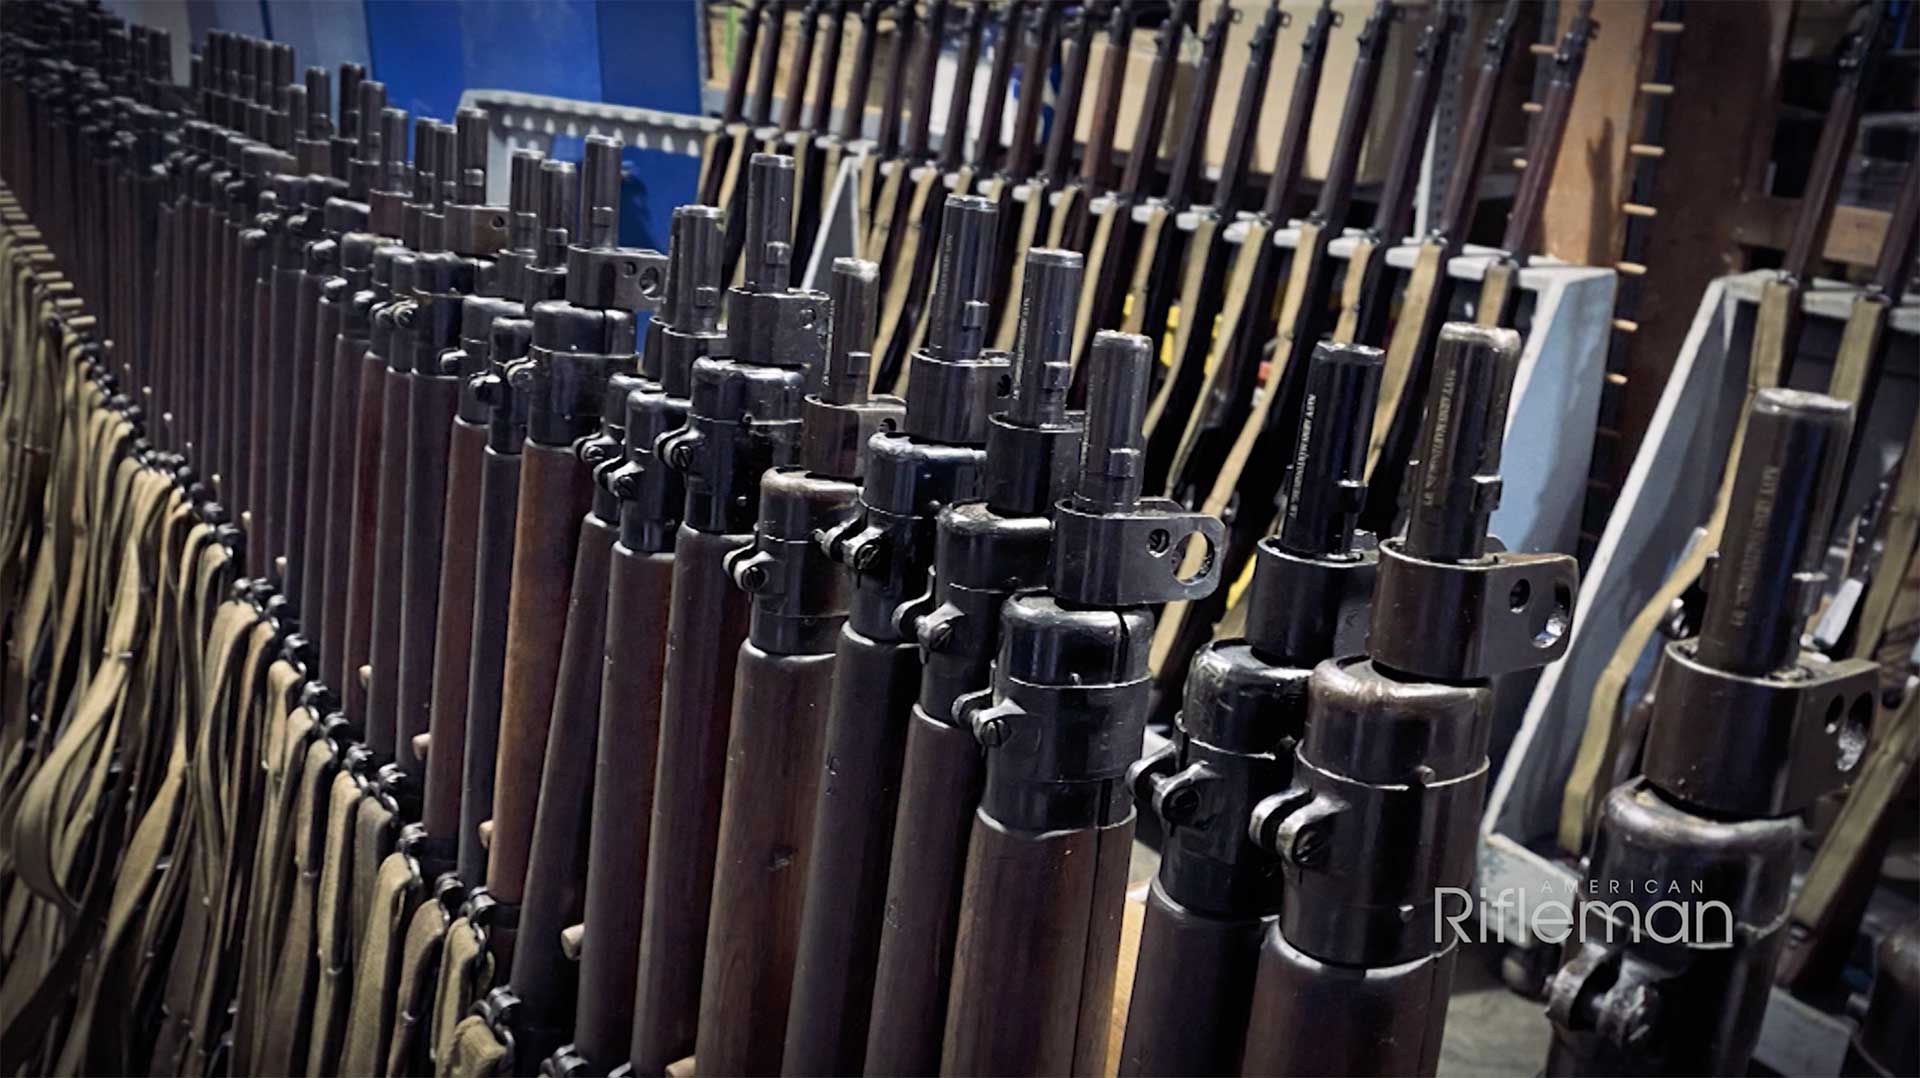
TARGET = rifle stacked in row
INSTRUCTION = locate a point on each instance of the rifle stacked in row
(1219, 410)
(597, 670)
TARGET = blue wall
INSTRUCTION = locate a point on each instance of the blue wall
(634, 53)
(627, 52)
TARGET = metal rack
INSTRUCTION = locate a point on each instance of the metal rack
(535, 120)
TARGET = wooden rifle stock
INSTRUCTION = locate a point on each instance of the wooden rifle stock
(720, 155)
(1203, 284)
(1161, 242)
(1110, 248)
(1427, 296)
(1272, 414)
(1040, 190)
(742, 420)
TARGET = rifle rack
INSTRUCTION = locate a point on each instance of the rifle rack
(1667, 483)
(535, 120)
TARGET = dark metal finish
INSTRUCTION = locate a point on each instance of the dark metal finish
(744, 417)
(1046, 868)
(1395, 755)
(985, 552)
(887, 546)
(1245, 713)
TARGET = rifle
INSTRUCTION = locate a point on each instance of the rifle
(1500, 289)
(1776, 338)
(581, 345)
(1861, 358)
(377, 792)
(897, 186)
(1111, 244)
(784, 689)
(1366, 294)
(1018, 166)
(457, 248)
(732, 195)
(445, 852)
(1271, 404)
(470, 952)
(1366, 298)
(1229, 385)
(903, 322)
(332, 280)
(740, 423)
(720, 155)
(852, 125)
(1202, 286)
(1047, 858)
(1245, 712)
(1160, 242)
(1616, 1006)
(1427, 296)
(793, 106)
(639, 584)
(1038, 194)
(1345, 948)
(1006, 42)
(986, 551)
(933, 462)
(1068, 223)
(913, 233)
(807, 147)
(457, 236)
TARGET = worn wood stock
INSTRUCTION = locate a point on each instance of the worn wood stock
(706, 625)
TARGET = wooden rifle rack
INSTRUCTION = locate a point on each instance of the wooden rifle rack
(1669, 482)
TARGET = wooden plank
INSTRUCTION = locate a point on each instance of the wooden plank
(1725, 70)
(1854, 238)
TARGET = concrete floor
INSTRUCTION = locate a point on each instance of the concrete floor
(1491, 1030)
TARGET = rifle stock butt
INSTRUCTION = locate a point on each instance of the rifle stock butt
(875, 685)
(760, 867)
(1192, 987)
(639, 590)
(1055, 899)
(940, 784)
(706, 624)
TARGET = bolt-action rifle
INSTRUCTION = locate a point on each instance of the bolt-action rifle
(1244, 713)
(1013, 171)
(1214, 262)
(888, 546)
(985, 552)
(1429, 292)
(832, 148)
(918, 237)
(1047, 860)
(1396, 747)
(907, 173)
(758, 131)
(1214, 472)
(1366, 293)
(1069, 225)
(1111, 242)
(1776, 340)
(807, 145)
(1036, 196)
(720, 155)
(740, 422)
(783, 693)
(1160, 242)
(1748, 731)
